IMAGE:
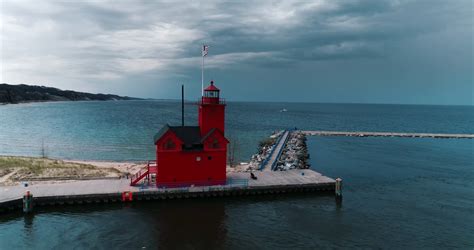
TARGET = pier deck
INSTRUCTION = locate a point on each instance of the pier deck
(240, 183)
(387, 134)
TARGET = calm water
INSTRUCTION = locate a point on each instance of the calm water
(398, 192)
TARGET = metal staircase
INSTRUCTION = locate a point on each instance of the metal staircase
(147, 174)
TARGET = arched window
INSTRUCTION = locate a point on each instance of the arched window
(169, 144)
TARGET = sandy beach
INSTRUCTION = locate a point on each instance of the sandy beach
(23, 169)
(123, 167)
(15, 170)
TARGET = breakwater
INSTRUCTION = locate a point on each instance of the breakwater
(265, 156)
(294, 154)
(387, 134)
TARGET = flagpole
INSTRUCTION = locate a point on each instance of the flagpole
(202, 72)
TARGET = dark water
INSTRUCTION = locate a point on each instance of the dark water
(398, 192)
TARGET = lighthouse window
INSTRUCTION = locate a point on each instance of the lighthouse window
(215, 143)
(212, 94)
(169, 144)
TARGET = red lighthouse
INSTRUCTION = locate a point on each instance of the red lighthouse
(211, 110)
(194, 155)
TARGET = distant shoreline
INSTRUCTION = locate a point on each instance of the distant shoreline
(16, 94)
(66, 101)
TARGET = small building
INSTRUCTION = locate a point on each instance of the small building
(194, 155)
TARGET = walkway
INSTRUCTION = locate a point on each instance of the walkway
(67, 190)
(389, 134)
(276, 152)
(61, 188)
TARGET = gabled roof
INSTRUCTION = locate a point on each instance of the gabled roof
(189, 135)
(212, 131)
(161, 132)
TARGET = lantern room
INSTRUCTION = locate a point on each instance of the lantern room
(211, 94)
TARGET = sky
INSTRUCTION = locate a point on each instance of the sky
(351, 51)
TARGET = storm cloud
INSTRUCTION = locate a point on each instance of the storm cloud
(334, 51)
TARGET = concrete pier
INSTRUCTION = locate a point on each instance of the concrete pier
(386, 134)
(99, 191)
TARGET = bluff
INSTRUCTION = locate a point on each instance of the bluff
(31, 93)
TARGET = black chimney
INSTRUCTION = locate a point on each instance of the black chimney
(182, 105)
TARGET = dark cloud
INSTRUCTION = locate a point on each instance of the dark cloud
(105, 41)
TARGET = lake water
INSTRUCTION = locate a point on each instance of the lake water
(398, 192)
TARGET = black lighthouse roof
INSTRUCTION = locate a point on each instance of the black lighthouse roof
(188, 134)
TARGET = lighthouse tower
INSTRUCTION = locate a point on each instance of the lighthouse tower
(191, 155)
(211, 110)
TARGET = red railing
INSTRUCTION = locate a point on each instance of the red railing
(221, 101)
(140, 175)
(152, 167)
(212, 184)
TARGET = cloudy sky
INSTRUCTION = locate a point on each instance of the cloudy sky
(356, 51)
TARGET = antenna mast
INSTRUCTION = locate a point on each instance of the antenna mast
(204, 51)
